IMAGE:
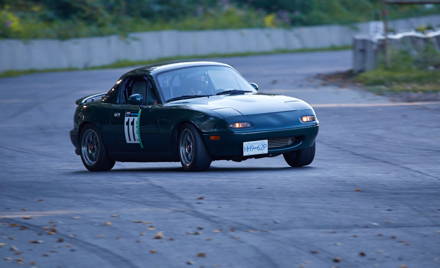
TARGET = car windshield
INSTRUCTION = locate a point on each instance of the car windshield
(201, 81)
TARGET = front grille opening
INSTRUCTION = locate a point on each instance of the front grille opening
(283, 142)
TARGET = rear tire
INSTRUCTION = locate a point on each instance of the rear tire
(192, 151)
(301, 157)
(92, 150)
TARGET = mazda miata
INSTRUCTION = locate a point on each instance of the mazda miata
(192, 112)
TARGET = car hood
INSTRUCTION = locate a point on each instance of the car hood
(248, 104)
(262, 111)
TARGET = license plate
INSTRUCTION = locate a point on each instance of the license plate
(255, 147)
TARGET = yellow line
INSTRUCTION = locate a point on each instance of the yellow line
(39, 213)
(355, 105)
(46, 213)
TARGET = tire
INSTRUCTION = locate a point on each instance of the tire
(192, 150)
(301, 157)
(93, 153)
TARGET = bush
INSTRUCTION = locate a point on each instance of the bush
(428, 58)
(406, 72)
(79, 18)
(10, 24)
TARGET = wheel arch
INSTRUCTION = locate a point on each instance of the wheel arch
(81, 127)
(176, 130)
(83, 124)
(201, 158)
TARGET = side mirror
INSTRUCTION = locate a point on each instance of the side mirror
(255, 85)
(135, 99)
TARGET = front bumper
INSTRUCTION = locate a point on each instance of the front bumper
(230, 145)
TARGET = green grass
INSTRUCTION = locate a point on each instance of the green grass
(13, 73)
(395, 81)
(128, 63)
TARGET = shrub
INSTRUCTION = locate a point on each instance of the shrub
(78, 18)
(10, 24)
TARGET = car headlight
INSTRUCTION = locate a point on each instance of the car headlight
(308, 118)
(240, 125)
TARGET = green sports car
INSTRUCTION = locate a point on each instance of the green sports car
(192, 112)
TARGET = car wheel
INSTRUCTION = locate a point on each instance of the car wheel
(301, 157)
(93, 153)
(192, 151)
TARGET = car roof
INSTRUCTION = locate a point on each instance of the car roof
(168, 66)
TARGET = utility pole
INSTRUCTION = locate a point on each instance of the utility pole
(384, 15)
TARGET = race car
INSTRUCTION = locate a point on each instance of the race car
(192, 112)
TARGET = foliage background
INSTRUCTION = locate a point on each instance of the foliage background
(64, 19)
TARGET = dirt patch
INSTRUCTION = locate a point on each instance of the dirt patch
(348, 79)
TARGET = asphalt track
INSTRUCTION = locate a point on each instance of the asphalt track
(370, 199)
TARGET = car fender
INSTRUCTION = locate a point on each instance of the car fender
(89, 114)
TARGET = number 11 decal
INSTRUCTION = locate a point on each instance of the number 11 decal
(131, 122)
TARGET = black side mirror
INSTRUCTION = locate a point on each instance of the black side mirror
(135, 99)
(255, 85)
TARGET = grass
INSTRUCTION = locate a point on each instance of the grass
(398, 81)
(128, 63)
(406, 73)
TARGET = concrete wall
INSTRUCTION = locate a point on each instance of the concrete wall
(95, 51)
(368, 51)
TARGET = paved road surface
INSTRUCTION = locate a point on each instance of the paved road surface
(371, 198)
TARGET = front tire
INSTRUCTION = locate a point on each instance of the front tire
(93, 153)
(301, 157)
(192, 151)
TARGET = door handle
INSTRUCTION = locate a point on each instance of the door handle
(117, 115)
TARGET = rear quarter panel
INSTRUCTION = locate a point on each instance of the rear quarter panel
(95, 113)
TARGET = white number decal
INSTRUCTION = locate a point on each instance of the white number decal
(130, 127)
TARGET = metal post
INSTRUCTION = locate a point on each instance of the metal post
(384, 15)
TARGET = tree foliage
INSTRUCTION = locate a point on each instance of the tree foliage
(76, 18)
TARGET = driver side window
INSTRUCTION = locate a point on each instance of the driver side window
(123, 91)
(129, 86)
(137, 85)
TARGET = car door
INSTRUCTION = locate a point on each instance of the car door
(151, 138)
(124, 119)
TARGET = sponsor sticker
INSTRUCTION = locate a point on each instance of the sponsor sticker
(131, 132)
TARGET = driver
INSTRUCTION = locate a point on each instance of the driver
(196, 84)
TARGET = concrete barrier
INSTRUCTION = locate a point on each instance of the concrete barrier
(96, 51)
(368, 50)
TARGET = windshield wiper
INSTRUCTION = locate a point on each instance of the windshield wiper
(233, 92)
(187, 97)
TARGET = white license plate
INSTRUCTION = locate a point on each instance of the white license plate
(255, 147)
